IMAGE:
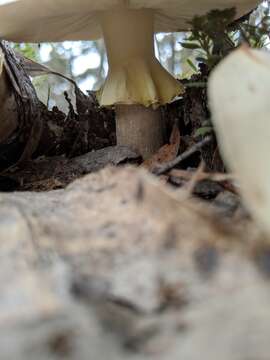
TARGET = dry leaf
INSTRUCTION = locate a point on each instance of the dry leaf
(167, 152)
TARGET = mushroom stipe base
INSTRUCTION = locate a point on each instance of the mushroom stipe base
(140, 128)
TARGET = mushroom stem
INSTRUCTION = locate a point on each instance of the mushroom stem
(136, 79)
(140, 128)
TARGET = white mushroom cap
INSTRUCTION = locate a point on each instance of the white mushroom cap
(59, 20)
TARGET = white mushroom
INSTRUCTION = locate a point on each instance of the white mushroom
(136, 84)
(239, 91)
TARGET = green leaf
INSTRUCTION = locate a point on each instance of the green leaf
(202, 131)
(192, 46)
(201, 59)
(28, 50)
(193, 66)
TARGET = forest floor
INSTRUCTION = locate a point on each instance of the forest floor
(104, 256)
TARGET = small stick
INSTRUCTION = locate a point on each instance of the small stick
(161, 169)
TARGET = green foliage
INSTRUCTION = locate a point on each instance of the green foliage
(28, 50)
(257, 35)
(205, 129)
(215, 34)
(211, 36)
(193, 66)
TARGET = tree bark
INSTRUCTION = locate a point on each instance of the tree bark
(8, 108)
(20, 124)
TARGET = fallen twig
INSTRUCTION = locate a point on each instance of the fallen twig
(161, 169)
(187, 175)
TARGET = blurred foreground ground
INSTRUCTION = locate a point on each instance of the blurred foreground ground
(119, 265)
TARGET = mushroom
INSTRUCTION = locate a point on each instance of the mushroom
(238, 91)
(136, 84)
